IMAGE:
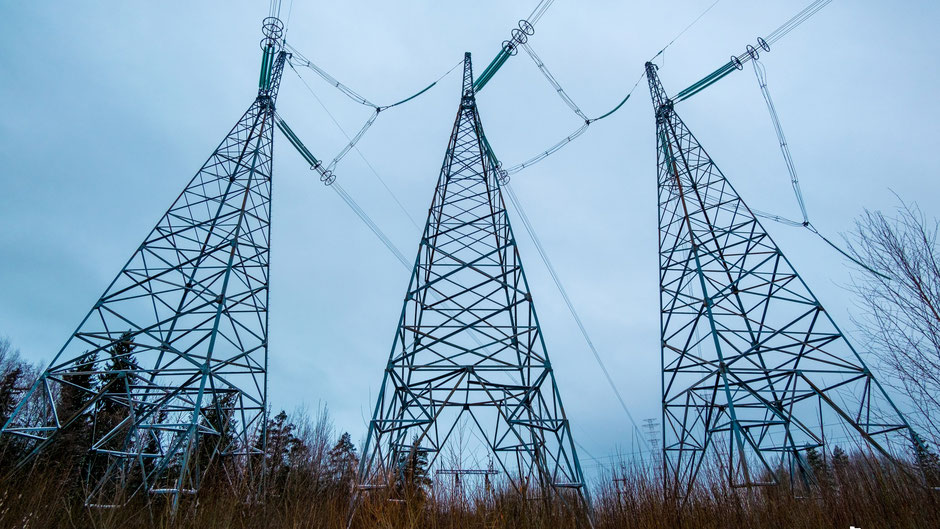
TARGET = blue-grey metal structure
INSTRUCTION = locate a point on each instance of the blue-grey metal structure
(173, 356)
(468, 366)
(754, 369)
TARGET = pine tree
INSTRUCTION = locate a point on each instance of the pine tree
(928, 462)
(413, 478)
(69, 453)
(840, 464)
(15, 376)
(117, 378)
(281, 445)
(8, 385)
(113, 407)
(342, 461)
(9, 449)
(217, 417)
(820, 468)
(152, 447)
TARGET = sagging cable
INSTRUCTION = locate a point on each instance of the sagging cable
(376, 109)
(809, 226)
(550, 151)
(761, 73)
(300, 60)
(371, 167)
(571, 136)
(554, 82)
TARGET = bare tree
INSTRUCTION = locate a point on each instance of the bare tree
(901, 304)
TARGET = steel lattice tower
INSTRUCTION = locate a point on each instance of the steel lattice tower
(468, 354)
(177, 345)
(754, 369)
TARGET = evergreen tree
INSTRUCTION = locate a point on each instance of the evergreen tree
(69, 452)
(928, 462)
(217, 416)
(840, 464)
(821, 471)
(15, 376)
(413, 478)
(152, 447)
(280, 449)
(8, 388)
(342, 461)
(9, 448)
(117, 378)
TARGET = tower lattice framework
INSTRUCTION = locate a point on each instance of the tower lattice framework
(468, 366)
(755, 373)
(168, 371)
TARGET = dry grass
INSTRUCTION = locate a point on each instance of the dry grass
(863, 493)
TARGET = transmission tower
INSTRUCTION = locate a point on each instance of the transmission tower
(755, 371)
(168, 371)
(468, 354)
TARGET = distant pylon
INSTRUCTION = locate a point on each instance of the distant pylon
(755, 370)
(169, 368)
(468, 355)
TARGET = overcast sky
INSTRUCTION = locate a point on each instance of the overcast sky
(110, 107)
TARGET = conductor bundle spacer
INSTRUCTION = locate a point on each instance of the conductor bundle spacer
(273, 30)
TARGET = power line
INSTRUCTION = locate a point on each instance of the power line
(750, 52)
(674, 39)
(574, 313)
(375, 173)
(761, 72)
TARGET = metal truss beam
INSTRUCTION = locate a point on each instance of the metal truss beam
(754, 370)
(172, 358)
(468, 366)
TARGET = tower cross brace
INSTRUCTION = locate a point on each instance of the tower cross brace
(167, 373)
(755, 372)
(468, 368)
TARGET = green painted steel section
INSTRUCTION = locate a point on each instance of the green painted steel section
(295, 141)
(755, 371)
(267, 60)
(616, 108)
(491, 69)
(468, 352)
(191, 306)
(705, 82)
(407, 99)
